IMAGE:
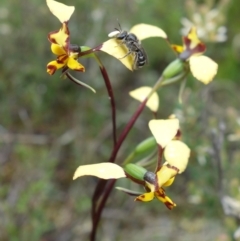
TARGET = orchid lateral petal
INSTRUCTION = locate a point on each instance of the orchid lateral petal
(146, 197)
(82, 83)
(105, 170)
(164, 130)
(143, 31)
(128, 191)
(203, 68)
(177, 154)
(60, 10)
(141, 93)
(53, 66)
(165, 174)
(119, 51)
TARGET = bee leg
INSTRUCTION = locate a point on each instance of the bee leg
(120, 44)
(125, 55)
(135, 64)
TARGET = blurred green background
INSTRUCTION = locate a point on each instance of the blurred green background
(50, 126)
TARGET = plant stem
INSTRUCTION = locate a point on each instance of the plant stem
(96, 214)
(108, 85)
(101, 184)
(159, 159)
(111, 98)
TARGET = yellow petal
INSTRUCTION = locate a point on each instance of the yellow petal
(166, 200)
(103, 170)
(118, 50)
(150, 186)
(177, 154)
(57, 49)
(169, 182)
(177, 48)
(192, 36)
(165, 174)
(60, 10)
(75, 65)
(143, 31)
(164, 130)
(60, 37)
(146, 197)
(53, 66)
(141, 93)
(203, 68)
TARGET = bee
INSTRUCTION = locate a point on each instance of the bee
(133, 44)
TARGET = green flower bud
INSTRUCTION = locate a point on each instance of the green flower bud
(135, 171)
(173, 69)
(145, 145)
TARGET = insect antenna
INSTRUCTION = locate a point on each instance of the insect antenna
(120, 28)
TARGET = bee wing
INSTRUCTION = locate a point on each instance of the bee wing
(144, 59)
(145, 54)
(140, 47)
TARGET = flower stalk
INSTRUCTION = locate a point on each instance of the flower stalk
(101, 190)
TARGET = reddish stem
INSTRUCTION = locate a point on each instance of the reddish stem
(102, 183)
(159, 160)
(97, 215)
(112, 101)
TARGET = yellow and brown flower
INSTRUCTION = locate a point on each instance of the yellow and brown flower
(202, 67)
(67, 54)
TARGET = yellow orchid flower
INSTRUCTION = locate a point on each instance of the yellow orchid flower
(67, 54)
(153, 190)
(176, 154)
(202, 67)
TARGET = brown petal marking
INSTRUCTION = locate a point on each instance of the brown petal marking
(188, 52)
(49, 36)
(173, 167)
(62, 59)
(169, 205)
(51, 69)
(138, 198)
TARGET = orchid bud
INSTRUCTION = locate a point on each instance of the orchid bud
(173, 69)
(145, 145)
(135, 171)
